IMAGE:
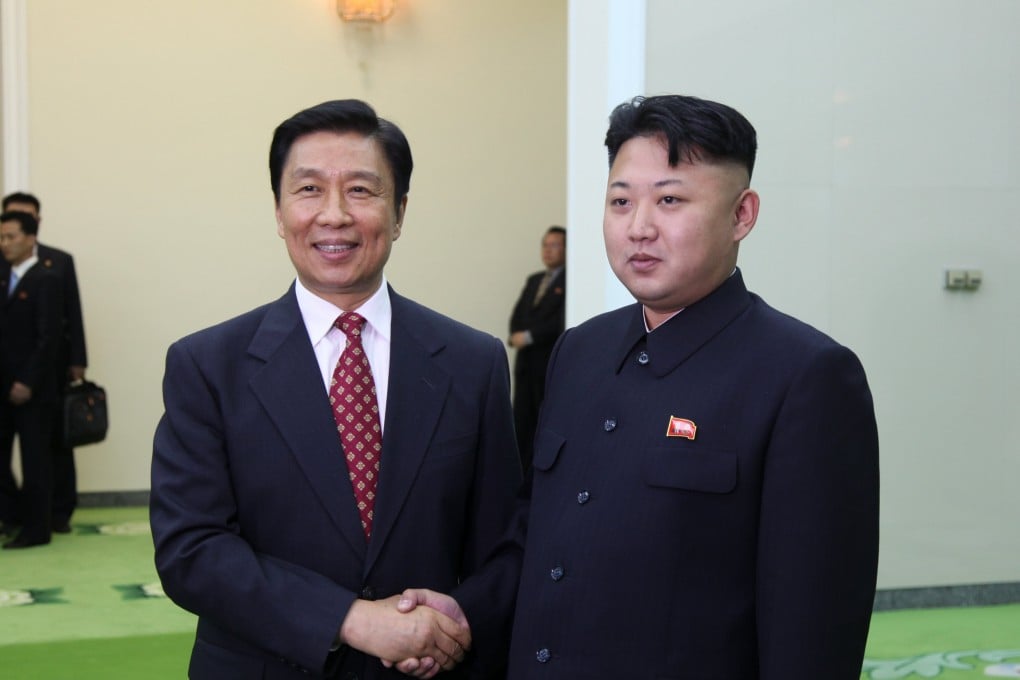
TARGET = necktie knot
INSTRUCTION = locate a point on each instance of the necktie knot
(350, 323)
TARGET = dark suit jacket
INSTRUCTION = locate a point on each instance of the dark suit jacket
(30, 325)
(71, 341)
(747, 549)
(545, 321)
(252, 512)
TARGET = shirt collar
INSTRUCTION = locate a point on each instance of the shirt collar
(319, 315)
(20, 269)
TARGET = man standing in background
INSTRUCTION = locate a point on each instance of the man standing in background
(30, 319)
(537, 321)
(70, 353)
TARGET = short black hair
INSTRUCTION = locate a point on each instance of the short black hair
(29, 225)
(557, 229)
(21, 197)
(694, 129)
(342, 116)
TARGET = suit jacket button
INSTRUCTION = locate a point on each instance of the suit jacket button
(583, 497)
(543, 655)
(556, 573)
(368, 593)
(609, 425)
(642, 358)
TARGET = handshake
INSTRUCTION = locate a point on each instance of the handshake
(420, 632)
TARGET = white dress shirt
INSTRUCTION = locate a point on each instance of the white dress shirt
(19, 270)
(328, 341)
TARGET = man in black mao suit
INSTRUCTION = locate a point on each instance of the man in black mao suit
(253, 513)
(71, 357)
(535, 324)
(30, 321)
(704, 498)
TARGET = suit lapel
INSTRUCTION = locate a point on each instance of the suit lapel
(290, 389)
(5, 278)
(417, 391)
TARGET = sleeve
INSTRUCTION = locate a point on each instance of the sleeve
(818, 533)
(518, 318)
(48, 323)
(72, 317)
(548, 326)
(205, 564)
(488, 592)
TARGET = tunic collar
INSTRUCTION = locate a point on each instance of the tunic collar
(671, 343)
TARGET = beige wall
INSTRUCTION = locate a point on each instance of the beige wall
(888, 153)
(149, 130)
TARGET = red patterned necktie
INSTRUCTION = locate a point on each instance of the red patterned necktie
(352, 396)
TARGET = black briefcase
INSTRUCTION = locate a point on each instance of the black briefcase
(84, 418)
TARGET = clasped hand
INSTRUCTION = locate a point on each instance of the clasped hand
(420, 632)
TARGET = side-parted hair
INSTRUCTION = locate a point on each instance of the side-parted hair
(343, 116)
(557, 229)
(29, 225)
(21, 197)
(693, 129)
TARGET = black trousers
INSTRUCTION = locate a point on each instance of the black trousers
(31, 505)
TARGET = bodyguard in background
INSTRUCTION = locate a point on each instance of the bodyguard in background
(537, 321)
(71, 359)
(30, 320)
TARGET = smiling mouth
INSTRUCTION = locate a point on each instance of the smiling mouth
(334, 247)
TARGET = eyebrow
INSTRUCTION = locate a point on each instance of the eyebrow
(300, 172)
(620, 184)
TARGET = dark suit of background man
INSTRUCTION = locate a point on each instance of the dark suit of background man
(537, 321)
(30, 321)
(71, 359)
(704, 498)
(253, 512)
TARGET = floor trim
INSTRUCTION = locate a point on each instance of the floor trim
(107, 499)
(978, 595)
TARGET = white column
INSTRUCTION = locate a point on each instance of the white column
(14, 94)
(606, 66)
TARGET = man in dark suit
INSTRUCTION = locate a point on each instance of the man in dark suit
(704, 498)
(71, 358)
(535, 324)
(285, 525)
(30, 321)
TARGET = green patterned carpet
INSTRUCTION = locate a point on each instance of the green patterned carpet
(89, 606)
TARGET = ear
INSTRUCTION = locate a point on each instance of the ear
(399, 223)
(745, 214)
(279, 223)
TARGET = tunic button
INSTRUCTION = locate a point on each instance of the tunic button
(582, 497)
(642, 358)
(609, 425)
(543, 655)
(556, 573)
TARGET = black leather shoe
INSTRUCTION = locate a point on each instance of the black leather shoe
(7, 529)
(21, 542)
(62, 527)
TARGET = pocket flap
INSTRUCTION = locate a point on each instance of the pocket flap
(700, 470)
(547, 449)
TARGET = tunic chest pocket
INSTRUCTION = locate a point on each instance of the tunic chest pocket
(701, 470)
(547, 449)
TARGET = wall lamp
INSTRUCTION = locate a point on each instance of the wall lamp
(365, 10)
